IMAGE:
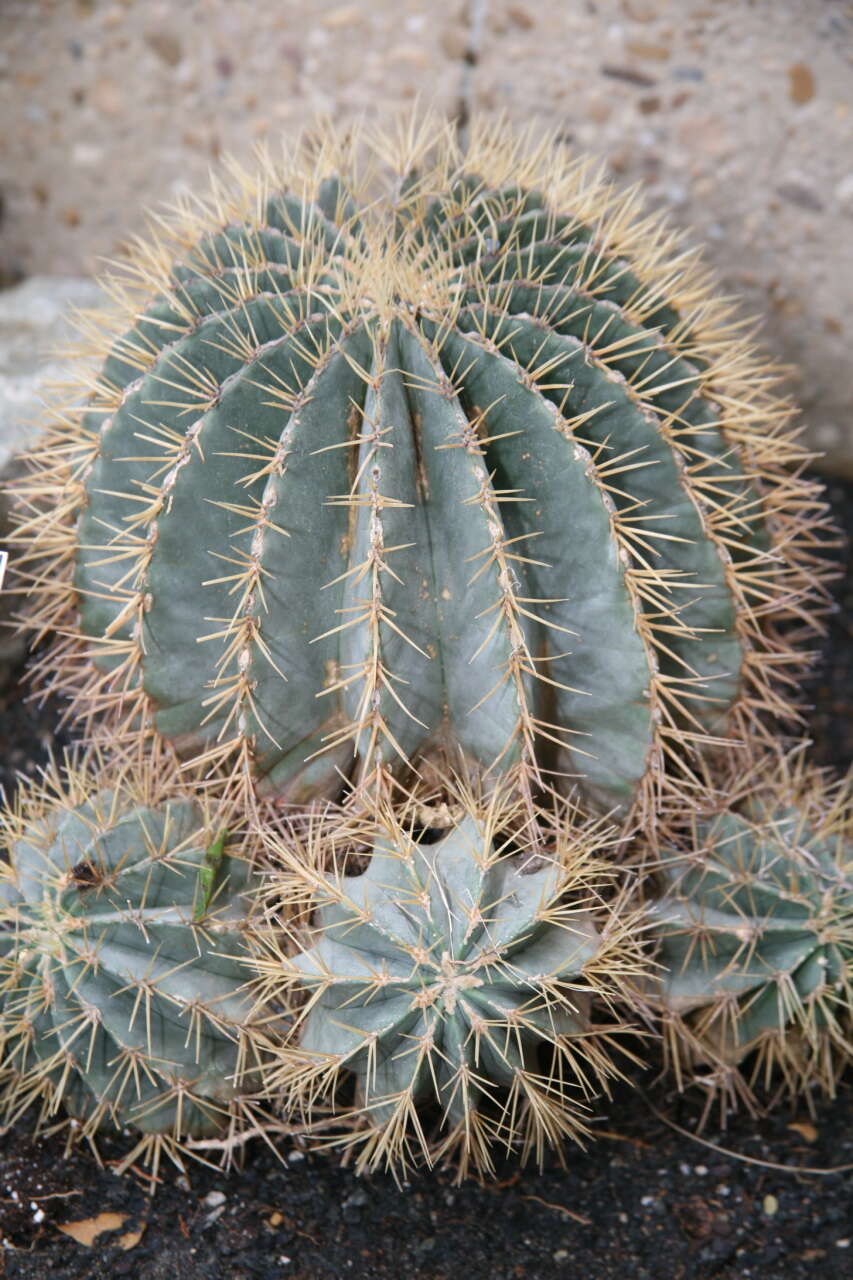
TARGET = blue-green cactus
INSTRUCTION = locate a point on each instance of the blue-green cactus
(755, 930)
(455, 976)
(123, 962)
(482, 472)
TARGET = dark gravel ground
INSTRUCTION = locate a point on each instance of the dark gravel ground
(645, 1202)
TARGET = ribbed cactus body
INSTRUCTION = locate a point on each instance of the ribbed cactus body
(756, 931)
(459, 475)
(454, 978)
(420, 960)
(123, 967)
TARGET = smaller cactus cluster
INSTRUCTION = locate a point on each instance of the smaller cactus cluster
(755, 925)
(454, 978)
(122, 962)
(466, 973)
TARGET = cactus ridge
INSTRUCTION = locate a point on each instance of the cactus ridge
(473, 470)
(755, 924)
(454, 974)
(123, 963)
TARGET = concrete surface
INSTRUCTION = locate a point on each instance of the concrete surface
(735, 115)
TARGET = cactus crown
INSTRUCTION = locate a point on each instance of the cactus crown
(454, 975)
(756, 931)
(123, 962)
(429, 453)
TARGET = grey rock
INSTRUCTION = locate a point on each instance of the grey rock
(35, 322)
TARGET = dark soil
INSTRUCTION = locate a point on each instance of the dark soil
(28, 734)
(644, 1202)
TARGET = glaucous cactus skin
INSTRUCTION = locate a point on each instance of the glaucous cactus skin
(123, 962)
(454, 976)
(458, 457)
(755, 929)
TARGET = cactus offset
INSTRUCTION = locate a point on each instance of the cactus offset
(123, 962)
(454, 975)
(756, 935)
(482, 470)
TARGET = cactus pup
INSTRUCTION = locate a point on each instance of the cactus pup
(465, 978)
(124, 997)
(755, 928)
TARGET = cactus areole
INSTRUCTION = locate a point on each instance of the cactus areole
(471, 464)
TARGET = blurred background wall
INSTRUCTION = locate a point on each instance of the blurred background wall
(735, 115)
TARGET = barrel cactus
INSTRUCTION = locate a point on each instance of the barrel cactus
(755, 925)
(455, 979)
(427, 454)
(123, 962)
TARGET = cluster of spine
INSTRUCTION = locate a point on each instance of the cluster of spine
(124, 972)
(404, 464)
(755, 929)
(463, 981)
(426, 455)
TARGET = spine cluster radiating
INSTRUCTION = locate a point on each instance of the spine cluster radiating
(460, 977)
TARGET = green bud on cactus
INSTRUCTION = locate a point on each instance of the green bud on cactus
(755, 930)
(480, 470)
(454, 979)
(123, 962)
